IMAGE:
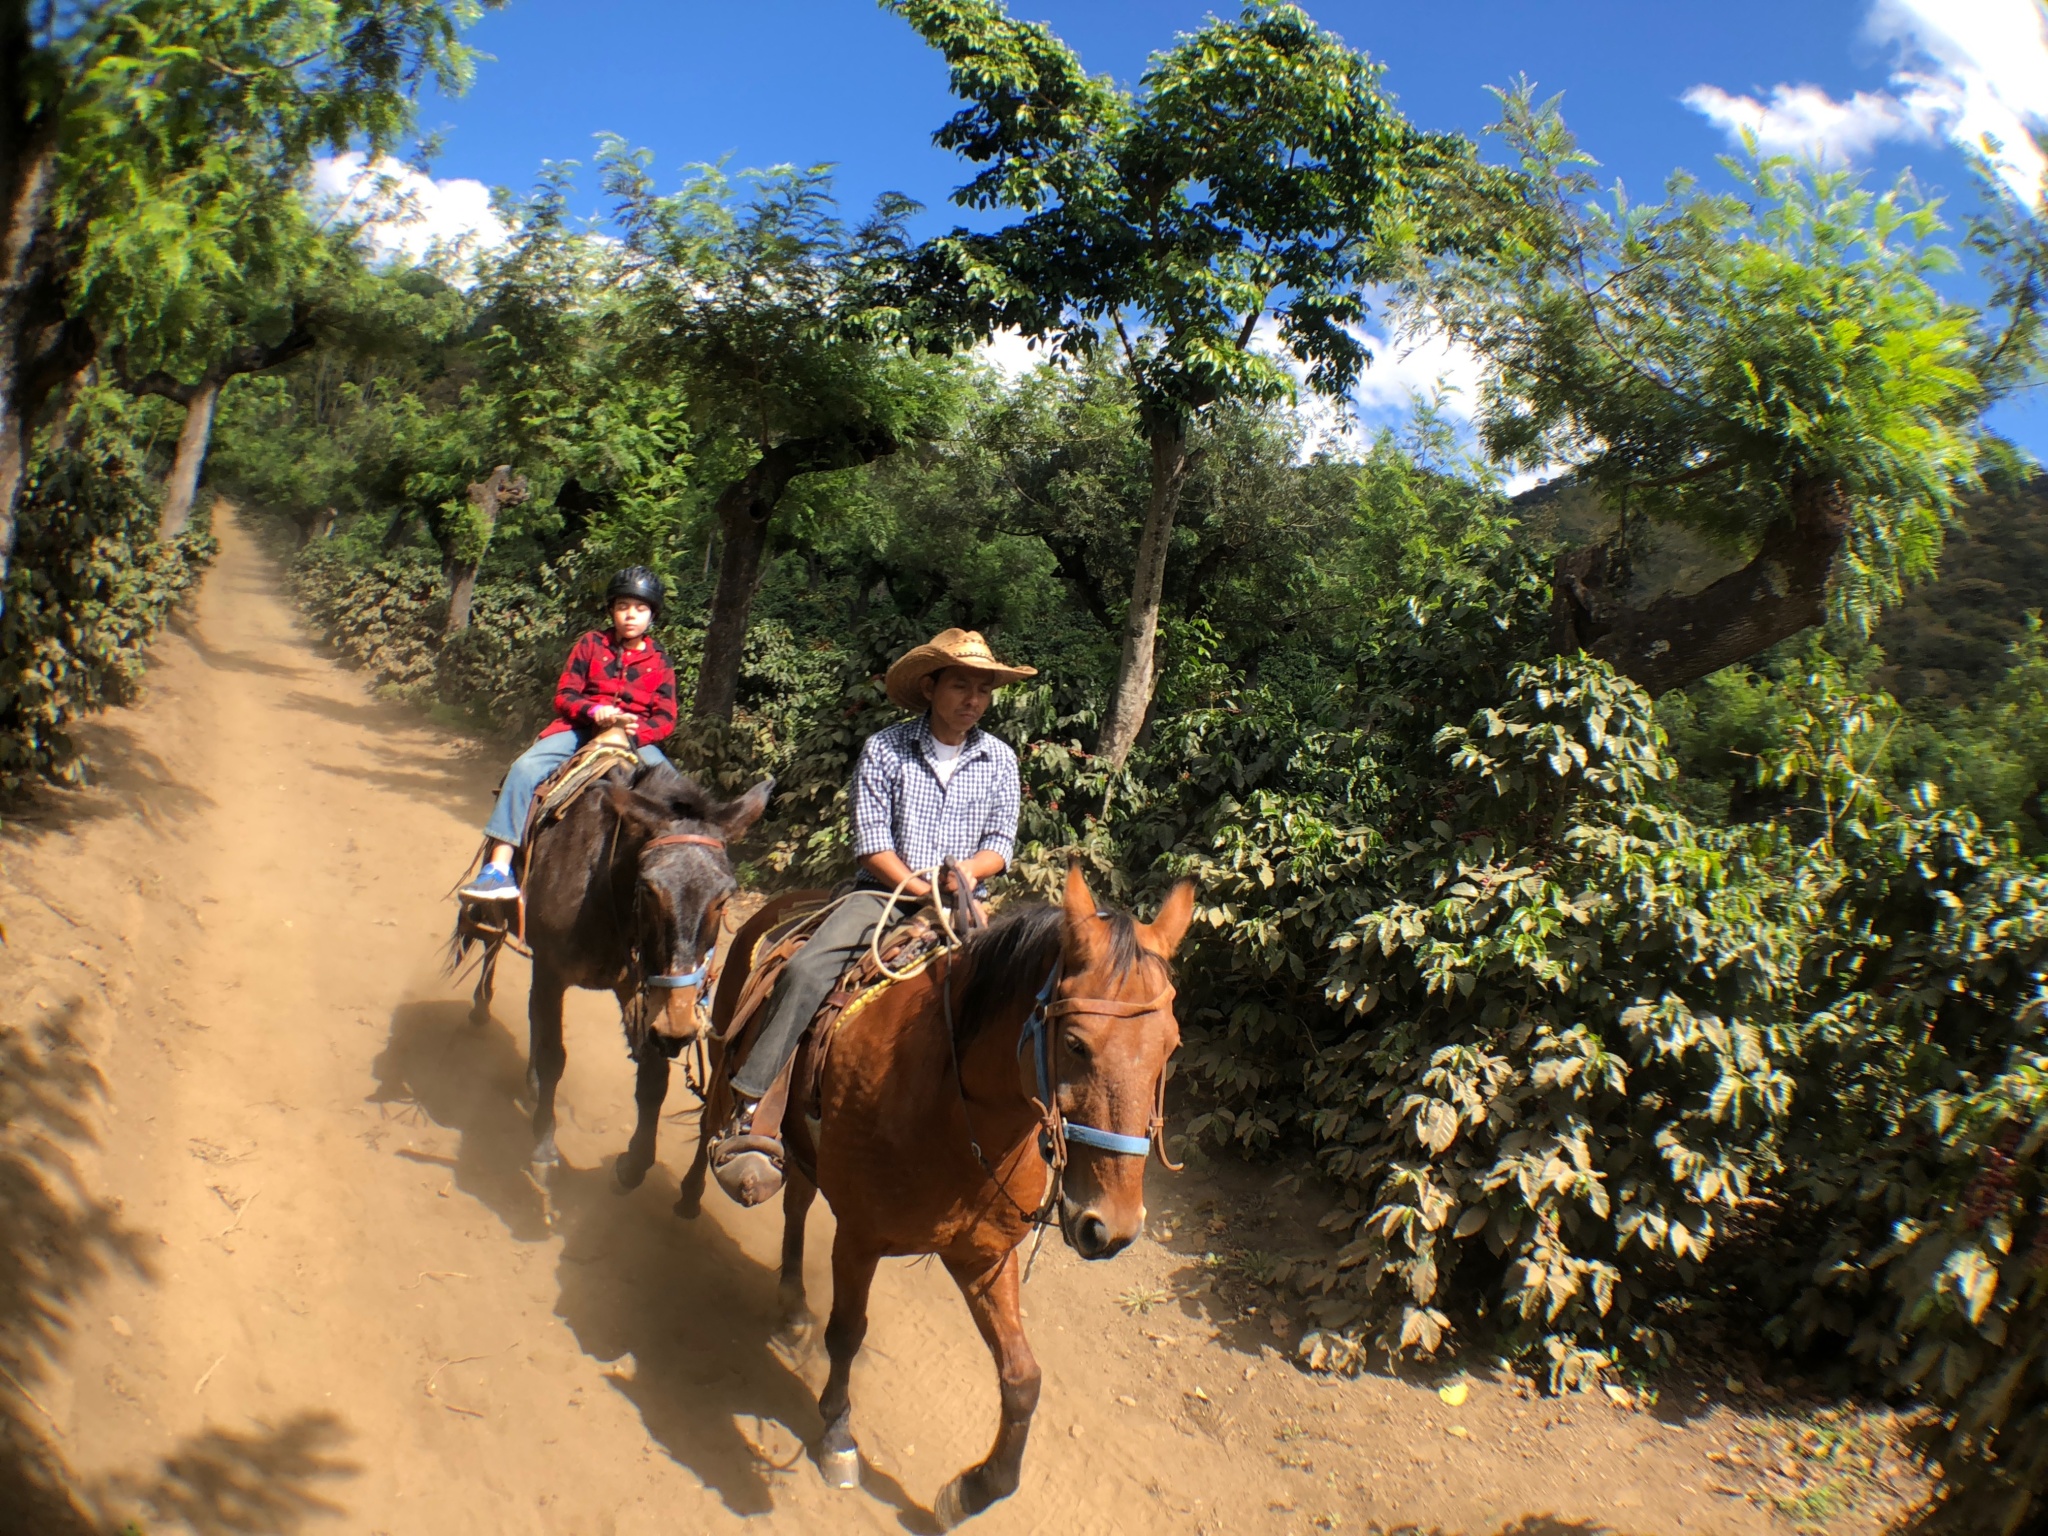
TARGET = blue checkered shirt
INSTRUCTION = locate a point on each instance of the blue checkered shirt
(899, 803)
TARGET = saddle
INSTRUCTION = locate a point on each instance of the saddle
(561, 789)
(552, 798)
(760, 951)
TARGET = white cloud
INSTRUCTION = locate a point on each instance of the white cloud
(1982, 67)
(1961, 69)
(1804, 119)
(406, 214)
(1403, 368)
(1011, 354)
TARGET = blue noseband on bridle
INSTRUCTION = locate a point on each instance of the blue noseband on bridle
(1036, 1036)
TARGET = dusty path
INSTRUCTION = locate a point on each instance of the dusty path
(302, 1279)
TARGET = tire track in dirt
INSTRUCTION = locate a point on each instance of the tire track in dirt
(302, 1276)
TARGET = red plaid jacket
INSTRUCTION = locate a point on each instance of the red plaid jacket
(642, 682)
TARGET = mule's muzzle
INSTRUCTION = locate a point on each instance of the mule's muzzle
(679, 1017)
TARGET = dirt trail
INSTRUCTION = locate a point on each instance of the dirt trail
(302, 1278)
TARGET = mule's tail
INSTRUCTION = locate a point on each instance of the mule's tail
(465, 933)
(458, 944)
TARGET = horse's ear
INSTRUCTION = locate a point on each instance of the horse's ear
(735, 817)
(639, 817)
(1163, 934)
(1084, 925)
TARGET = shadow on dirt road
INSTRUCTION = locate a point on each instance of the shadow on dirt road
(686, 1318)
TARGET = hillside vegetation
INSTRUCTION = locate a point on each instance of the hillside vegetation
(1627, 900)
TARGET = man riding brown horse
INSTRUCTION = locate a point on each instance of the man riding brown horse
(927, 792)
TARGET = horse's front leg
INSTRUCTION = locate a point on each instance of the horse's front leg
(650, 1092)
(545, 1059)
(991, 1290)
(797, 1319)
(853, 1273)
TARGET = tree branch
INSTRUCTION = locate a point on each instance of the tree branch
(1679, 639)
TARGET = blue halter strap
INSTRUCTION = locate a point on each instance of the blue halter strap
(695, 978)
(1035, 1036)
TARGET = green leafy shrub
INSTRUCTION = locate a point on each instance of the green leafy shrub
(89, 587)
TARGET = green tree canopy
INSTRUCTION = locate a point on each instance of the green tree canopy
(763, 305)
(1773, 368)
(1221, 222)
(122, 126)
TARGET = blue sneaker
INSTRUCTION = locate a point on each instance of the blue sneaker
(494, 884)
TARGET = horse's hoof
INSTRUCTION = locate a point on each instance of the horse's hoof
(950, 1509)
(627, 1177)
(841, 1469)
(690, 1203)
(797, 1329)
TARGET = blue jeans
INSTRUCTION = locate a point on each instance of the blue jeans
(508, 820)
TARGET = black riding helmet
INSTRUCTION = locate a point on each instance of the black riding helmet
(638, 583)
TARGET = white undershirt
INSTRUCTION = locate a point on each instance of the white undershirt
(945, 759)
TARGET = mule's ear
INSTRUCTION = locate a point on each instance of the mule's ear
(1163, 934)
(1084, 925)
(639, 817)
(735, 817)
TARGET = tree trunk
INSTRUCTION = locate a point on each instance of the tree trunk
(200, 401)
(24, 196)
(40, 345)
(466, 550)
(1679, 639)
(183, 486)
(743, 539)
(1135, 677)
(743, 510)
(461, 594)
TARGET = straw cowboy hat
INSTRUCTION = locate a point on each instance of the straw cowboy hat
(948, 648)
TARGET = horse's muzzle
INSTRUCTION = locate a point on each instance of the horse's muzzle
(1089, 1235)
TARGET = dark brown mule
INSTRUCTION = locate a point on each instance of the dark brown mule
(930, 1145)
(625, 895)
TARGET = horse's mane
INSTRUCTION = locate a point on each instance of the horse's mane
(1014, 954)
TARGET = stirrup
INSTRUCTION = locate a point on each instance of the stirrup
(748, 1167)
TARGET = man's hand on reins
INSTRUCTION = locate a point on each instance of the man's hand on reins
(889, 868)
(985, 865)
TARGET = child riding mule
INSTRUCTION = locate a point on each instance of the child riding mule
(625, 894)
(1017, 1080)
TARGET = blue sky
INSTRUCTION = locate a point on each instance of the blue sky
(1649, 85)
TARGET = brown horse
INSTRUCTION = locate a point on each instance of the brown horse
(625, 894)
(1018, 1079)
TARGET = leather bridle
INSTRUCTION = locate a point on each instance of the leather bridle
(702, 974)
(1056, 1131)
